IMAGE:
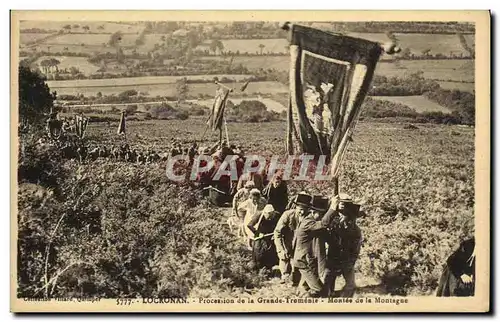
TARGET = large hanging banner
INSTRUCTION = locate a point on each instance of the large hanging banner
(122, 126)
(217, 113)
(330, 76)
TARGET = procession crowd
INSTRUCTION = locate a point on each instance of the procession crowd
(311, 240)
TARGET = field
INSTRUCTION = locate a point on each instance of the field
(438, 44)
(251, 46)
(161, 89)
(108, 27)
(76, 48)
(26, 38)
(281, 63)
(271, 104)
(90, 39)
(466, 87)
(457, 70)
(148, 80)
(419, 103)
(67, 62)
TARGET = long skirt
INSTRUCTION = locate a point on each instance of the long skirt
(451, 286)
(264, 253)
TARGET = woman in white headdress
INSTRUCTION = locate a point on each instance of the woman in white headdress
(263, 248)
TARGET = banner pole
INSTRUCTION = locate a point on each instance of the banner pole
(227, 133)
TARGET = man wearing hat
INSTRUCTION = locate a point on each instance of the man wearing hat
(305, 256)
(284, 234)
(344, 244)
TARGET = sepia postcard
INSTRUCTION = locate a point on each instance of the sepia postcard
(250, 161)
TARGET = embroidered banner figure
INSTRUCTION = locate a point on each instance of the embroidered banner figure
(330, 75)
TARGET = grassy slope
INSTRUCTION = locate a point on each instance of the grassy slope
(411, 182)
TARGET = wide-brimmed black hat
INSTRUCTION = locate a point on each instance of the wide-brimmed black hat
(303, 199)
(320, 203)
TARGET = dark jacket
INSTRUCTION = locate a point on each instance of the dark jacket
(344, 244)
(460, 262)
(284, 233)
(278, 197)
(308, 232)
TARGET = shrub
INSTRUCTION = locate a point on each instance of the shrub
(39, 163)
(131, 109)
(182, 115)
(163, 111)
(155, 238)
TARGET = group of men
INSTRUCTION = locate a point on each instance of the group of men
(312, 240)
(77, 149)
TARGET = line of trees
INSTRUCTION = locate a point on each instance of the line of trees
(405, 27)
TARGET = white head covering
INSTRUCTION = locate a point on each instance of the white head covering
(250, 184)
(255, 191)
(268, 211)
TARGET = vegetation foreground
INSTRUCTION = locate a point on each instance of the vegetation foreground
(114, 229)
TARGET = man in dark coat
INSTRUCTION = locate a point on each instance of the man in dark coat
(284, 238)
(305, 258)
(459, 272)
(344, 244)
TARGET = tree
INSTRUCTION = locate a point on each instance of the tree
(74, 71)
(193, 39)
(120, 57)
(426, 52)
(220, 46)
(405, 53)
(44, 66)
(181, 89)
(67, 27)
(141, 39)
(465, 45)
(86, 28)
(76, 26)
(261, 47)
(115, 39)
(215, 45)
(35, 98)
(171, 26)
(54, 63)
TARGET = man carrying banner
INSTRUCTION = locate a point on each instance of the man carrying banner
(344, 244)
(305, 258)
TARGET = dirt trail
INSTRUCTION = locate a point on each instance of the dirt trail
(366, 287)
(272, 288)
